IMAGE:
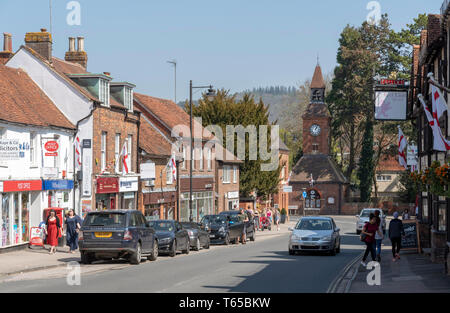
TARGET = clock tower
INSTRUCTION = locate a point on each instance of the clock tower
(317, 120)
(317, 182)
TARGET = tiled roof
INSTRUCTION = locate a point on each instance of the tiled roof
(68, 67)
(389, 164)
(283, 146)
(22, 101)
(317, 80)
(152, 142)
(321, 166)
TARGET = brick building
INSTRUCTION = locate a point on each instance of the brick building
(281, 199)
(104, 116)
(432, 56)
(316, 173)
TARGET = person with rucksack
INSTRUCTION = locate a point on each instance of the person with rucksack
(396, 232)
(379, 235)
(368, 237)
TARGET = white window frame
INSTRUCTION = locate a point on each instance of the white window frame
(193, 158)
(226, 174)
(128, 98)
(104, 91)
(183, 165)
(209, 157)
(117, 152)
(201, 159)
(33, 149)
(103, 151)
(169, 176)
(234, 174)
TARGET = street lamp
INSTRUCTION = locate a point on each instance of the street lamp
(210, 94)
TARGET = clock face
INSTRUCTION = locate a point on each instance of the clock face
(315, 130)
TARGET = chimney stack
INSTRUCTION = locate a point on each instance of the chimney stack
(79, 55)
(41, 43)
(7, 53)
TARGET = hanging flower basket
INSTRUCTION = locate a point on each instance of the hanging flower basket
(437, 177)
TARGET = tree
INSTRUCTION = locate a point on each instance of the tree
(226, 110)
(366, 165)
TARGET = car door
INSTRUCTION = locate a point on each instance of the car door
(147, 233)
(236, 227)
(179, 236)
(140, 229)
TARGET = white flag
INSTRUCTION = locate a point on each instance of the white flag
(173, 165)
(439, 141)
(438, 100)
(125, 159)
(77, 153)
(402, 143)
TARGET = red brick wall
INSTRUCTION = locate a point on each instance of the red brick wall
(433, 27)
(325, 190)
(323, 140)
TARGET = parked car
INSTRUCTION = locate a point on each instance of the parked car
(250, 225)
(117, 234)
(363, 217)
(172, 237)
(315, 234)
(198, 237)
(222, 228)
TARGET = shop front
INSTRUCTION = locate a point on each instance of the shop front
(106, 195)
(203, 198)
(128, 187)
(57, 193)
(19, 210)
(160, 205)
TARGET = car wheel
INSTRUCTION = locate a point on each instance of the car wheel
(154, 255)
(333, 251)
(226, 241)
(338, 250)
(86, 258)
(173, 252)
(198, 246)
(188, 248)
(137, 255)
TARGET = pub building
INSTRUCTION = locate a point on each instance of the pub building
(431, 56)
(317, 182)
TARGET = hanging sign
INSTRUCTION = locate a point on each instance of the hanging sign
(51, 148)
(411, 157)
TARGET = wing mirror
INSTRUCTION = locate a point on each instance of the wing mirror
(337, 229)
(290, 229)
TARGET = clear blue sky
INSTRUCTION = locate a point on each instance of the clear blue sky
(232, 44)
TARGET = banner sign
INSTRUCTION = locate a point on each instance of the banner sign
(58, 184)
(390, 105)
(147, 171)
(128, 184)
(87, 168)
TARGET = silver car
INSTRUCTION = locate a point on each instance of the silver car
(363, 217)
(314, 233)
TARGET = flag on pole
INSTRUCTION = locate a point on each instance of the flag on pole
(125, 159)
(173, 165)
(439, 141)
(402, 143)
(77, 153)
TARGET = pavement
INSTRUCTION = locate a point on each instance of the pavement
(38, 258)
(262, 266)
(413, 273)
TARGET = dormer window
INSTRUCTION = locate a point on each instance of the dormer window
(104, 92)
(122, 92)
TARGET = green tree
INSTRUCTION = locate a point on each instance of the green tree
(366, 165)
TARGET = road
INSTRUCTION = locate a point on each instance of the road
(263, 266)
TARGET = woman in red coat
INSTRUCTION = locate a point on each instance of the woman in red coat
(52, 230)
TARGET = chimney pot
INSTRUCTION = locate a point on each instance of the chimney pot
(107, 73)
(7, 42)
(80, 44)
(43, 30)
(71, 44)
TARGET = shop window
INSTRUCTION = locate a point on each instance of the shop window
(25, 216)
(5, 239)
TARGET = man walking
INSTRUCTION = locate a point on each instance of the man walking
(243, 218)
(396, 232)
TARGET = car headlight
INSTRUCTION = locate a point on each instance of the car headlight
(326, 238)
(295, 237)
(165, 240)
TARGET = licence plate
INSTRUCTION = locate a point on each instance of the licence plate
(211, 236)
(103, 235)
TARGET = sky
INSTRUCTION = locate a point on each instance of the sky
(231, 44)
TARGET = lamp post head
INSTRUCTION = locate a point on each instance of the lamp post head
(211, 94)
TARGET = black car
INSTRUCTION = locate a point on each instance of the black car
(117, 234)
(250, 225)
(172, 237)
(222, 228)
(198, 237)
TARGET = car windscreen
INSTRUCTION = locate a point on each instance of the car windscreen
(214, 219)
(311, 224)
(366, 213)
(105, 219)
(190, 225)
(162, 226)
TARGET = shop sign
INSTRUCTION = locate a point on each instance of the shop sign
(9, 149)
(128, 195)
(86, 206)
(147, 171)
(21, 185)
(412, 158)
(51, 148)
(50, 172)
(207, 186)
(287, 188)
(107, 185)
(127, 184)
(233, 194)
(60, 184)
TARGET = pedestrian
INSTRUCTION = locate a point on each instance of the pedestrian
(243, 218)
(277, 219)
(53, 231)
(269, 216)
(405, 215)
(256, 220)
(396, 232)
(73, 226)
(379, 235)
(368, 236)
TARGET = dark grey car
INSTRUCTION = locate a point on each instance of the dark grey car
(198, 237)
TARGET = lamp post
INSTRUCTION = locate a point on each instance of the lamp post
(210, 94)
